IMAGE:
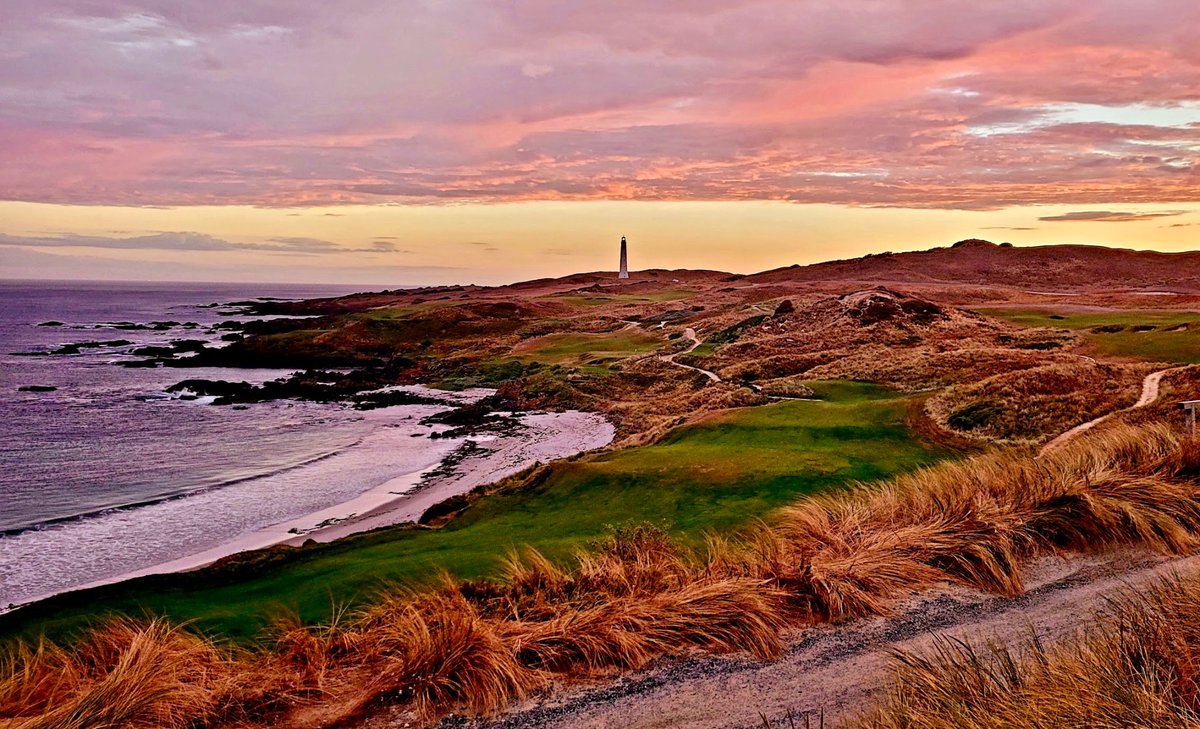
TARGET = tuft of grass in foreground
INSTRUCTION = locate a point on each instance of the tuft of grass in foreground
(1139, 667)
(477, 645)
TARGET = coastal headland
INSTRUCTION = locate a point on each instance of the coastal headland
(748, 455)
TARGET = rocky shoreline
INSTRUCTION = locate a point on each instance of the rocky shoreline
(434, 491)
(475, 436)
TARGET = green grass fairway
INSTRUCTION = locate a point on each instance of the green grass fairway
(589, 348)
(1163, 341)
(598, 299)
(715, 475)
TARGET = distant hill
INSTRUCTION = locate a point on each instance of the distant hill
(650, 277)
(979, 262)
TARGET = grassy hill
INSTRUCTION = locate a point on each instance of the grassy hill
(1042, 268)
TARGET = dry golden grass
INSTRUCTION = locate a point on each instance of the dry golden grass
(975, 521)
(1138, 667)
(124, 675)
(1034, 404)
(477, 646)
(886, 337)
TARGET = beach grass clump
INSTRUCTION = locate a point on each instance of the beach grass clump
(975, 522)
(124, 674)
(1138, 666)
(476, 646)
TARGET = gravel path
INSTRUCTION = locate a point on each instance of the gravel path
(1149, 395)
(838, 670)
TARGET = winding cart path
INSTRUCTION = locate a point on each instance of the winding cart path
(1148, 396)
(690, 334)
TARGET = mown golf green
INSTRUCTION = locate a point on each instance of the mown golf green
(1153, 336)
(588, 347)
(714, 475)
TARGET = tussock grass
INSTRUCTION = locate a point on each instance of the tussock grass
(124, 674)
(1140, 666)
(638, 595)
(976, 521)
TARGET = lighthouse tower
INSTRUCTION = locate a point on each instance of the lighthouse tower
(624, 261)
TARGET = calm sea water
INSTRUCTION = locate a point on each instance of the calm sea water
(107, 474)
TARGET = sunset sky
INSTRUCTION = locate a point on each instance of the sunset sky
(393, 142)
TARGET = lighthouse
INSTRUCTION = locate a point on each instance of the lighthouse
(624, 260)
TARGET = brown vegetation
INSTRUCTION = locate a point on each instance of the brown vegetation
(838, 320)
(1044, 268)
(1034, 404)
(1176, 385)
(1139, 666)
(476, 646)
(883, 336)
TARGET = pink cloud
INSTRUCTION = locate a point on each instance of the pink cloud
(922, 103)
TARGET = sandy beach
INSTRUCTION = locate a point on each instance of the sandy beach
(435, 469)
(544, 437)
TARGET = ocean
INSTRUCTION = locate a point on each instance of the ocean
(108, 474)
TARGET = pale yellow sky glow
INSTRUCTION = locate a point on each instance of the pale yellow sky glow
(498, 243)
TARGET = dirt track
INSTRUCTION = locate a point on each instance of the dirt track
(840, 668)
(1149, 395)
(690, 334)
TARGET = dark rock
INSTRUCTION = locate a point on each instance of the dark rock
(75, 348)
(37, 388)
(785, 307)
(312, 385)
(452, 505)
(188, 345)
(376, 400)
(221, 389)
(51, 324)
(154, 351)
(733, 333)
